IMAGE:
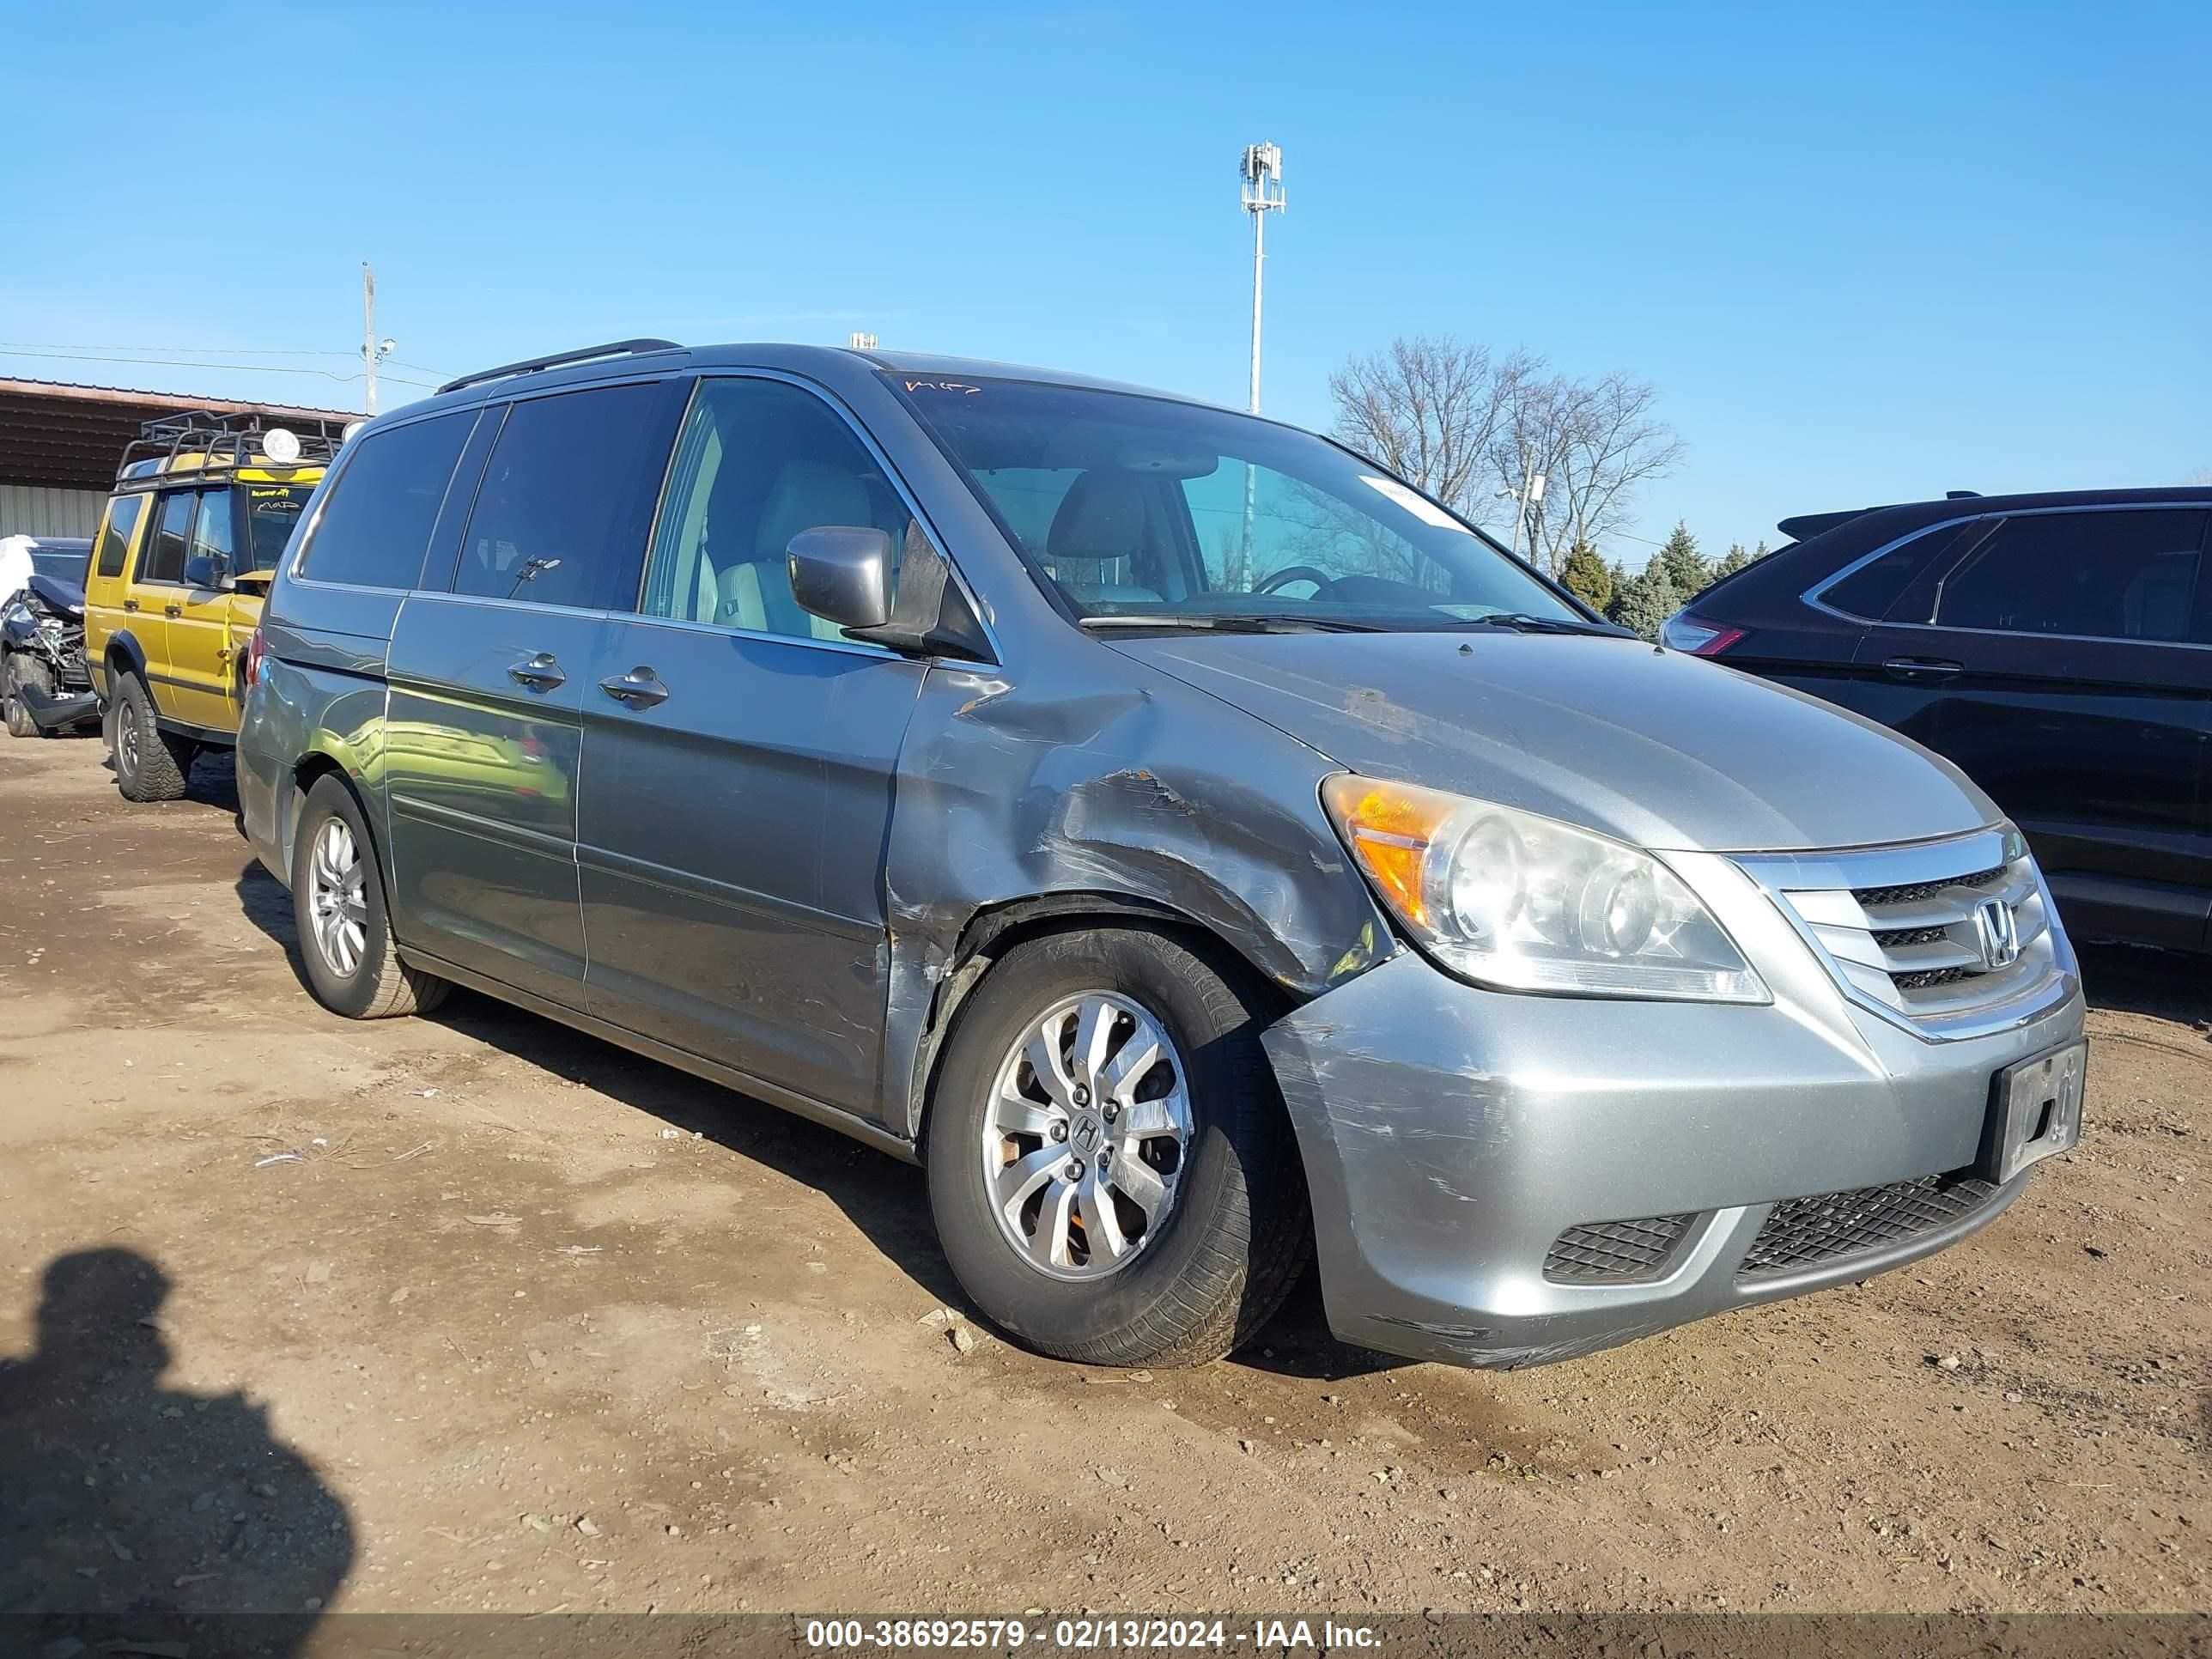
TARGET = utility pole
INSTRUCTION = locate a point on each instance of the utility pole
(1263, 194)
(373, 351)
(1532, 495)
(1261, 171)
(368, 352)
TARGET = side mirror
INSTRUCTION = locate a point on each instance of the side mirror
(206, 571)
(842, 574)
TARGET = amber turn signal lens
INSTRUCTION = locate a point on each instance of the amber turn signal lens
(1389, 828)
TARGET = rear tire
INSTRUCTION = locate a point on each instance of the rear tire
(1183, 1242)
(338, 907)
(16, 672)
(150, 764)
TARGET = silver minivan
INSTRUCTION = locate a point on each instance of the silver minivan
(1198, 849)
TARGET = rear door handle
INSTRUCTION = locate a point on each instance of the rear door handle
(129, 605)
(1921, 668)
(540, 672)
(638, 688)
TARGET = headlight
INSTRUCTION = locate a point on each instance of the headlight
(1520, 902)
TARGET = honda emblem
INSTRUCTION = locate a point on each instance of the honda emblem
(1997, 929)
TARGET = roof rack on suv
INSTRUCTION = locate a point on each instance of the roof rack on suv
(560, 359)
(222, 442)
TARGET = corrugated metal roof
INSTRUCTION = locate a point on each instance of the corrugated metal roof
(61, 433)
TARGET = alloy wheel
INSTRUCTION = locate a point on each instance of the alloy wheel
(1086, 1135)
(337, 908)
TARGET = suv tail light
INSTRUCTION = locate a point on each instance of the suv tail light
(256, 649)
(1684, 632)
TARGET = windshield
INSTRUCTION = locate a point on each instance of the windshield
(271, 510)
(1137, 507)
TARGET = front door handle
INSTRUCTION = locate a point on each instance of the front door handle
(540, 672)
(172, 611)
(638, 688)
(1921, 668)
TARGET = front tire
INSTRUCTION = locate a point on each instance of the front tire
(1110, 1167)
(338, 908)
(150, 764)
(16, 672)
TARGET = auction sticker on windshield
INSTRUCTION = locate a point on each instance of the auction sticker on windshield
(1414, 503)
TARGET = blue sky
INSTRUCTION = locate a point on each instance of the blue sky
(1865, 252)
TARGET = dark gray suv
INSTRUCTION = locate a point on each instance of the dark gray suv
(1185, 839)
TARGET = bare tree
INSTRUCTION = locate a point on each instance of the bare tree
(1470, 428)
(1432, 410)
(1604, 443)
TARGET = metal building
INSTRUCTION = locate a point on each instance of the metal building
(59, 445)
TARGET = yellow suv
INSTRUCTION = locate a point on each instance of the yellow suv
(203, 507)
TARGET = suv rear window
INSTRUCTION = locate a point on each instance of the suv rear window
(1871, 591)
(2113, 575)
(374, 528)
(115, 533)
(271, 513)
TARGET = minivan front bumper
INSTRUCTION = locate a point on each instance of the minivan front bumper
(1451, 1136)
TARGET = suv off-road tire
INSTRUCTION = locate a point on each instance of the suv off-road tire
(380, 986)
(150, 764)
(16, 672)
(1239, 1233)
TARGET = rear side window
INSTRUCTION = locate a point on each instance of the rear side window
(376, 522)
(1872, 590)
(2115, 575)
(164, 551)
(561, 516)
(115, 533)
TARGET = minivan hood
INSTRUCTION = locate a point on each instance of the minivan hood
(1653, 747)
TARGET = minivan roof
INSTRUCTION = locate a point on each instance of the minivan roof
(829, 364)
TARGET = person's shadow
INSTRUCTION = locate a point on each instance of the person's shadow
(130, 1512)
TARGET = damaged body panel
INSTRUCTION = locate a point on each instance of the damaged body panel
(1451, 1136)
(1093, 782)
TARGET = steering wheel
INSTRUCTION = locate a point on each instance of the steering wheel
(1295, 573)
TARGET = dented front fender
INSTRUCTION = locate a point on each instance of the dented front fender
(1095, 776)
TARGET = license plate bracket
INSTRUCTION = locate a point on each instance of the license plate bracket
(2035, 1111)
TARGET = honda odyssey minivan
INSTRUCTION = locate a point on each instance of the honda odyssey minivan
(1194, 846)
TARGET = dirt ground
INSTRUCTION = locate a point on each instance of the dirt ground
(471, 1312)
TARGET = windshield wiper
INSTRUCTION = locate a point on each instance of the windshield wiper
(1233, 624)
(1523, 622)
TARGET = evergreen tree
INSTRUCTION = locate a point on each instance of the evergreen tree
(1687, 569)
(1587, 577)
(1738, 559)
(1617, 574)
(1647, 600)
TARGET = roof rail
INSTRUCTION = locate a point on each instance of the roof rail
(582, 354)
(228, 440)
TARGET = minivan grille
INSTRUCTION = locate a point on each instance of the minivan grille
(1615, 1250)
(1900, 928)
(1807, 1232)
(1914, 892)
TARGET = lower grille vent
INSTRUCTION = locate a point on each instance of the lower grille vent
(1806, 1232)
(1615, 1250)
